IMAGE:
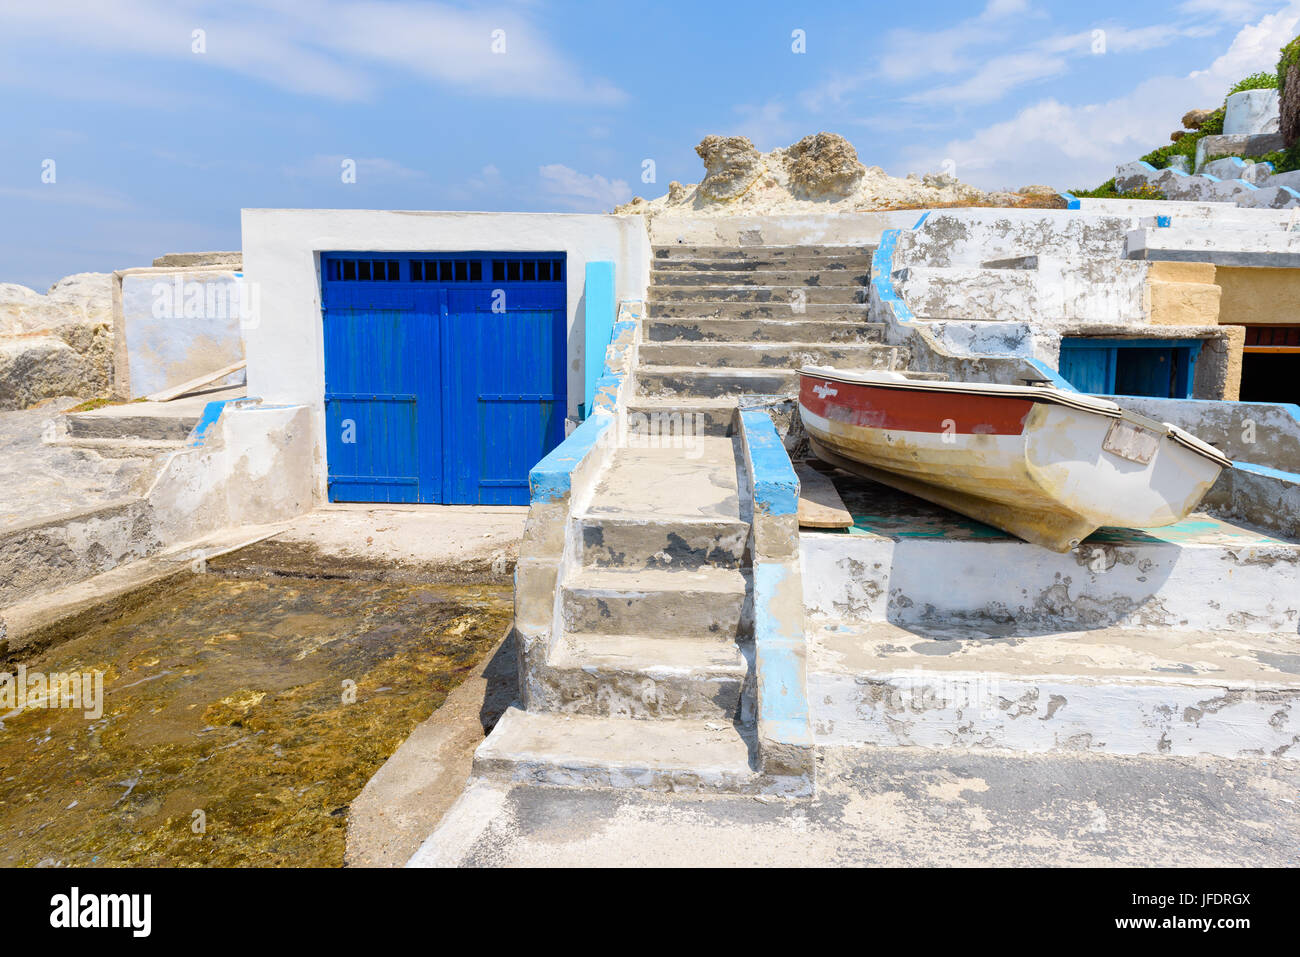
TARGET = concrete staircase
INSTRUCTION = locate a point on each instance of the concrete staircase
(655, 622)
(726, 321)
(655, 616)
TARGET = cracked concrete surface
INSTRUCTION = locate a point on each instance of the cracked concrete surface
(905, 807)
(40, 481)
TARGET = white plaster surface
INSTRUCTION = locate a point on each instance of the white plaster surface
(1251, 584)
(178, 325)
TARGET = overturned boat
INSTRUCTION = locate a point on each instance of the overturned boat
(1046, 465)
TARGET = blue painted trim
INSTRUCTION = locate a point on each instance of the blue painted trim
(882, 267)
(1071, 201)
(1083, 342)
(924, 217)
(551, 479)
(598, 325)
(605, 395)
(776, 487)
(1163, 222)
(211, 413)
(1270, 472)
(1048, 372)
(779, 642)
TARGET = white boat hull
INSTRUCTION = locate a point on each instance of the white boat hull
(1040, 469)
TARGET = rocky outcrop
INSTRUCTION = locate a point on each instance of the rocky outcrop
(33, 368)
(823, 164)
(60, 343)
(818, 174)
(731, 166)
(1289, 105)
(1195, 119)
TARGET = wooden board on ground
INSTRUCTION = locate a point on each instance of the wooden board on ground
(820, 505)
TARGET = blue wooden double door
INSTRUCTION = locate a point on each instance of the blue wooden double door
(444, 374)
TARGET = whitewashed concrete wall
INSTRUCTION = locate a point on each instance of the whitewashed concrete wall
(1234, 586)
(840, 229)
(174, 325)
(282, 250)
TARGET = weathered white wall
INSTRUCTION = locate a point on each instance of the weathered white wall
(175, 325)
(1156, 584)
(839, 229)
(282, 249)
(254, 467)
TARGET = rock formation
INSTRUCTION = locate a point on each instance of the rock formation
(819, 173)
(57, 344)
(823, 164)
(731, 166)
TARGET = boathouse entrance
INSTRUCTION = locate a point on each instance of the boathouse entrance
(445, 376)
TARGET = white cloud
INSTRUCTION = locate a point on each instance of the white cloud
(995, 78)
(369, 170)
(1079, 146)
(586, 192)
(339, 49)
(1231, 11)
(997, 9)
(768, 126)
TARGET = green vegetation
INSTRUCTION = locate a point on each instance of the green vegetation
(1256, 81)
(1107, 190)
(1159, 158)
(1290, 55)
(1284, 161)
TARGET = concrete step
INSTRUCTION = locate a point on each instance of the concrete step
(696, 309)
(771, 355)
(921, 566)
(656, 418)
(850, 265)
(639, 676)
(697, 382)
(1109, 690)
(96, 425)
(706, 603)
(574, 751)
(636, 542)
(745, 254)
(764, 330)
(673, 507)
(714, 293)
(759, 277)
(122, 448)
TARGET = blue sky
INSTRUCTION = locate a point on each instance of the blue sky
(157, 146)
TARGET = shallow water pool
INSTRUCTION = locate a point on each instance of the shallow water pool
(240, 718)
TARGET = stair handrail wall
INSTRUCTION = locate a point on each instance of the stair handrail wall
(785, 737)
(558, 485)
